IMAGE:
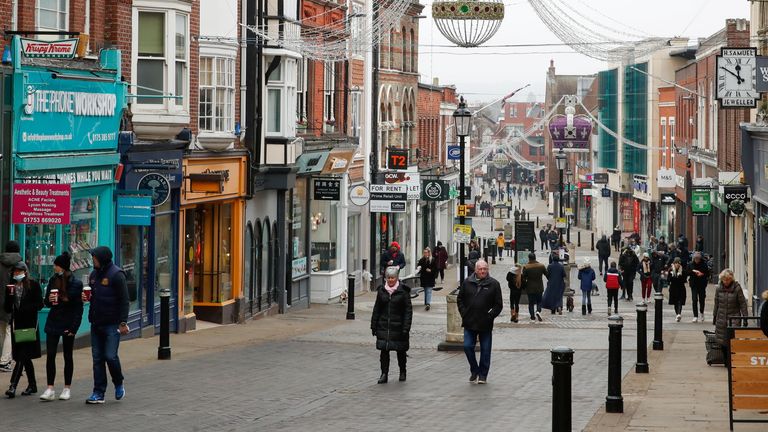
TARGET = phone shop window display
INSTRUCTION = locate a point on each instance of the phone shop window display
(42, 243)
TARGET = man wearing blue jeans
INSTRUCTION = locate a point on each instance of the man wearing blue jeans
(108, 316)
(479, 302)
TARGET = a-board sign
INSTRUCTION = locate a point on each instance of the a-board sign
(525, 237)
(748, 372)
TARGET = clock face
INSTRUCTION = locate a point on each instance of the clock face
(737, 78)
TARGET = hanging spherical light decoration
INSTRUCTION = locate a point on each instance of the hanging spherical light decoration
(468, 23)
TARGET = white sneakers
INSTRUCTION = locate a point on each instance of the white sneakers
(695, 319)
(677, 318)
(49, 395)
(702, 317)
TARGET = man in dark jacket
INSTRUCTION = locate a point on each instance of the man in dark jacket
(603, 252)
(628, 264)
(531, 280)
(108, 316)
(658, 264)
(543, 238)
(662, 246)
(479, 302)
(7, 260)
(699, 275)
(393, 257)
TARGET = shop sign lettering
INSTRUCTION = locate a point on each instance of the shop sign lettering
(94, 176)
(43, 204)
(33, 48)
(71, 102)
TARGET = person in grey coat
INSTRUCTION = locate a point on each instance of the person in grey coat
(553, 295)
(729, 302)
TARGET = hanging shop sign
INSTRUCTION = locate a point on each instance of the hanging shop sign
(667, 199)
(666, 178)
(701, 202)
(61, 49)
(158, 186)
(454, 152)
(410, 179)
(397, 159)
(134, 210)
(600, 178)
(388, 198)
(326, 189)
(434, 190)
(605, 192)
(736, 71)
(735, 193)
(41, 204)
(167, 163)
(359, 195)
(762, 74)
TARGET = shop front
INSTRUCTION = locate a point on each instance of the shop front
(211, 245)
(66, 122)
(147, 215)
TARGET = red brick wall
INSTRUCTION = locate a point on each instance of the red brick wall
(428, 106)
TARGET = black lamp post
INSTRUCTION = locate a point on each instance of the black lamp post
(462, 119)
(560, 161)
(569, 177)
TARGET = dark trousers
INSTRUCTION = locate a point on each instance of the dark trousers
(384, 360)
(442, 274)
(678, 308)
(629, 284)
(486, 340)
(726, 355)
(698, 295)
(602, 259)
(656, 281)
(52, 344)
(105, 341)
(534, 300)
(514, 299)
(23, 365)
(613, 297)
(543, 244)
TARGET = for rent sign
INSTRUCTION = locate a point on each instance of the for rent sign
(44, 204)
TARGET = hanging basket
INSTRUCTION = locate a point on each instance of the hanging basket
(763, 222)
(737, 207)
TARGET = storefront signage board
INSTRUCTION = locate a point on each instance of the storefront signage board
(229, 172)
(667, 199)
(701, 202)
(388, 198)
(411, 180)
(134, 210)
(733, 193)
(454, 152)
(600, 178)
(666, 178)
(84, 177)
(434, 190)
(359, 195)
(158, 185)
(41, 204)
(61, 49)
(326, 189)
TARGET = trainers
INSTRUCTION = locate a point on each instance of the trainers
(482, 380)
(695, 319)
(48, 395)
(473, 378)
(538, 316)
(64, 394)
(6, 367)
(702, 317)
(95, 398)
(677, 318)
(427, 307)
(119, 392)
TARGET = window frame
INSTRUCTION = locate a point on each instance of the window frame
(285, 85)
(227, 119)
(329, 96)
(58, 12)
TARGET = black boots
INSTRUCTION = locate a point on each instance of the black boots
(589, 308)
(11, 392)
(383, 378)
(31, 389)
(583, 309)
(402, 376)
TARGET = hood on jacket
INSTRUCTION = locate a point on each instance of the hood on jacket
(396, 245)
(9, 259)
(103, 254)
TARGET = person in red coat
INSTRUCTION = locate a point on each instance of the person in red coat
(441, 255)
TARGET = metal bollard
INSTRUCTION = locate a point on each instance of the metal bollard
(494, 252)
(592, 247)
(562, 360)
(658, 343)
(537, 221)
(642, 338)
(578, 239)
(350, 297)
(614, 403)
(164, 349)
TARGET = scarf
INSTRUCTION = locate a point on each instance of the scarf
(676, 273)
(646, 266)
(392, 289)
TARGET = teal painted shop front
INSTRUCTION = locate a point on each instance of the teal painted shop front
(67, 115)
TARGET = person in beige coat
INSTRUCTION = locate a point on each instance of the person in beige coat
(729, 302)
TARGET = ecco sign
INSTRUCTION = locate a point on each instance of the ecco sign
(733, 193)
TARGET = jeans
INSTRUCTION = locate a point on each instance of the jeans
(105, 340)
(384, 360)
(534, 299)
(52, 344)
(470, 340)
(698, 295)
(5, 343)
(602, 259)
(586, 297)
(427, 295)
(613, 296)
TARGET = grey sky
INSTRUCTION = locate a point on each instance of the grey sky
(486, 73)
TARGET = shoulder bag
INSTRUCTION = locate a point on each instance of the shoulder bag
(25, 335)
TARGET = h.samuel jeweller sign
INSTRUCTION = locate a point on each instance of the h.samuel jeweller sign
(48, 49)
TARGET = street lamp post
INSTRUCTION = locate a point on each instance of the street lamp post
(462, 119)
(569, 175)
(560, 161)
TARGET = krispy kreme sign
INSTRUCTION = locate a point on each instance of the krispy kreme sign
(34, 48)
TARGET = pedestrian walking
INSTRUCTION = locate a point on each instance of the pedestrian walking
(698, 275)
(646, 283)
(500, 246)
(553, 238)
(472, 256)
(531, 280)
(427, 270)
(392, 257)
(553, 295)
(616, 238)
(543, 238)
(64, 298)
(23, 300)
(522, 214)
(603, 252)
(613, 282)
(729, 302)
(515, 292)
(652, 244)
(662, 246)
(7, 260)
(628, 265)
(699, 243)
(479, 302)
(108, 316)
(517, 214)
(391, 322)
(682, 243)
(441, 255)
(525, 192)
(677, 276)
(658, 265)
(586, 278)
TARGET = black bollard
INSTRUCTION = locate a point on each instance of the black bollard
(350, 296)
(578, 239)
(592, 247)
(658, 343)
(614, 403)
(164, 349)
(562, 360)
(494, 252)
(537, 221)
(642, 338)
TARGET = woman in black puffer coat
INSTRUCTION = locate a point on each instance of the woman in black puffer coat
(391, 321)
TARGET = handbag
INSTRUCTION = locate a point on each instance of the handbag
(25, 335)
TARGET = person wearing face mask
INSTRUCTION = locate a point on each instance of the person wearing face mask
(63, 297)
(391, 321)
(23, 301)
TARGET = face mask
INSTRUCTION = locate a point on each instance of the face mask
(19, 277)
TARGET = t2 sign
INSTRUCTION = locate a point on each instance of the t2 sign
(397, 159)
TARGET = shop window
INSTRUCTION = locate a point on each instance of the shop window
(52, 15)
(208, 233)
(165, 260)
(192, 259)
(323, 225)
(299, 229)
(81, 235)
(130, 255)
(217, 94)
(280, 115)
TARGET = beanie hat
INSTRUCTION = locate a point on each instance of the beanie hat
(63, 260)
(21, 265)
(395, 244)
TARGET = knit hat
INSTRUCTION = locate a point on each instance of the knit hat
(395, 244)
(20, 266)
(63, 260)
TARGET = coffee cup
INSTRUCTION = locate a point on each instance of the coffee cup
(11, 289)
(87, 293)
(54, 296)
